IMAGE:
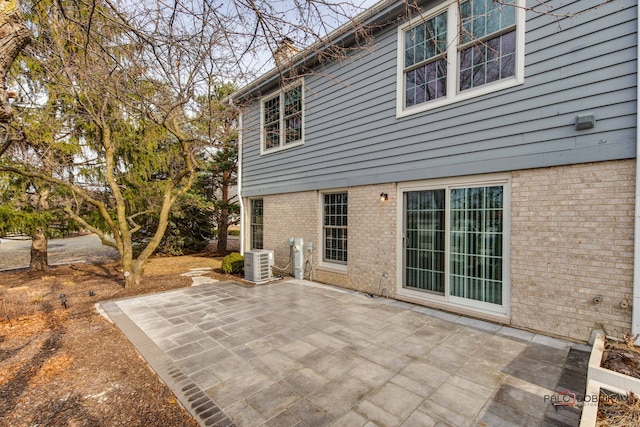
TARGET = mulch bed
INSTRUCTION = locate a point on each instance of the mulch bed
(69, 366)
(615, 410)
(622, 357)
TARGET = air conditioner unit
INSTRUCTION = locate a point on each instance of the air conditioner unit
(257, 265)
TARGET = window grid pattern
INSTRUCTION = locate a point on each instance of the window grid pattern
(476, 243)
(484, 40)
(488, 62)
(425, 60)
(257, 224)
(293, 115)
(490, 26)
(335, 228)
(425, 240)
(272, 122)
(283, 119)
(482, 18)
(427, 82)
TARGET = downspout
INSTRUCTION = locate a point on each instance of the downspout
(239, 185)
(635, 313)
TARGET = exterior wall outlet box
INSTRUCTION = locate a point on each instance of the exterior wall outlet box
(587, 121)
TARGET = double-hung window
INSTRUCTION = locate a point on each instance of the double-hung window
(458, 51)
(257, 224)
(425, 60)
(282, 119)
(334, 228)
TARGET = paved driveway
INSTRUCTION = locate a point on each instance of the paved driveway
(296, 353)
(16, 253)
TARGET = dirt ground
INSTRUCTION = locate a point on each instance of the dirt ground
(71, 367)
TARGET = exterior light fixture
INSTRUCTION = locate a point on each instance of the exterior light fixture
(384, 197)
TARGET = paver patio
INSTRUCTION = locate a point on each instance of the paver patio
(297, 353)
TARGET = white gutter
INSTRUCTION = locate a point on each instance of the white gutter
(382, 8)
(635, 307)
(239, 185)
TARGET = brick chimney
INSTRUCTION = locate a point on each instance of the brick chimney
(285, 51)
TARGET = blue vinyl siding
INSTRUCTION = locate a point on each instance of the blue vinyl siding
(583, 64)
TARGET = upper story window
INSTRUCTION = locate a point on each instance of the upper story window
(282, 119)
(425, 60)
(458, 51)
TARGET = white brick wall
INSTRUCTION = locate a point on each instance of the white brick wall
(372, 239)
(371, 235)
(571, 240)
(289, 215)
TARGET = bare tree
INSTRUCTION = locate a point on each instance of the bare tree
(128, 75)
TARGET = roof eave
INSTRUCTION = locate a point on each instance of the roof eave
(374, 15)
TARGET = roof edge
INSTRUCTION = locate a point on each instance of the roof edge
(377, 12)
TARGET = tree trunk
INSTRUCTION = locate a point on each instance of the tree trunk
(14, 36)
(223, 217)
(132, 272)
(223, 229)
(39, 256)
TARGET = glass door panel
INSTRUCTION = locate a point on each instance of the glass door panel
(476, 243)
(424, 243)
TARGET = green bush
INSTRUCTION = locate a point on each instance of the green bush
(233, 263)
(234, 232)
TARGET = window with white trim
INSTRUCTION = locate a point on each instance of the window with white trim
(257, 224)
(455, 242)
(334, 228)
(282, 119)
(458, 51)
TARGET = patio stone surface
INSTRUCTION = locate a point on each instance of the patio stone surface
(298, 353)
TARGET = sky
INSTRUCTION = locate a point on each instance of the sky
(262, 61)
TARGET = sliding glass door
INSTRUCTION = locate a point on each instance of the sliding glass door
(453, 243)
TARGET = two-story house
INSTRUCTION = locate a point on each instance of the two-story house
(477, 157)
